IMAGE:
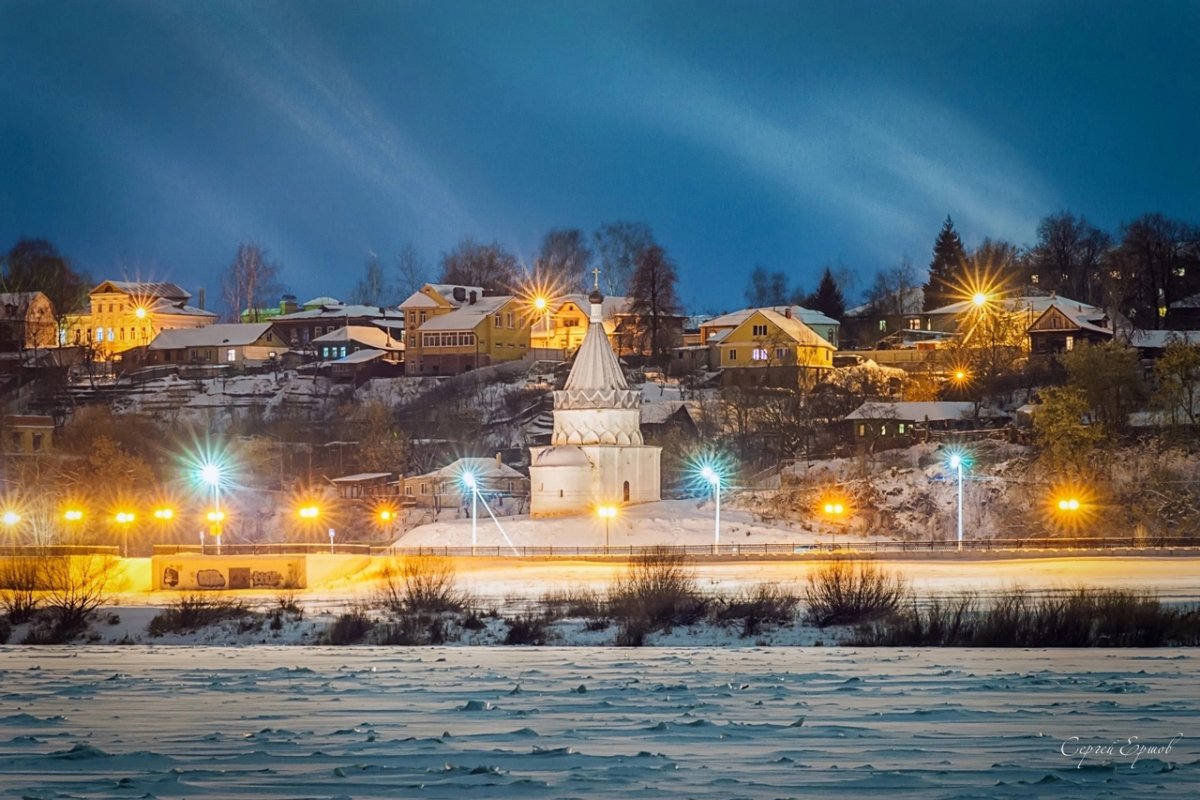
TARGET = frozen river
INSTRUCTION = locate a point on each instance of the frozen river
(266, 722)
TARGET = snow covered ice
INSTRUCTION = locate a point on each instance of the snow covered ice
(268, 722)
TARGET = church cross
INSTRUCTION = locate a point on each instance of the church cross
(596, 277)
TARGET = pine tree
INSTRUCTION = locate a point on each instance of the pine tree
(945, 271)
(828, 297)
(653, 298)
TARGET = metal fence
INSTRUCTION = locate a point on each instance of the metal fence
(58, 550)
(280, 549)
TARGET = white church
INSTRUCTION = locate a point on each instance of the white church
(596, 455)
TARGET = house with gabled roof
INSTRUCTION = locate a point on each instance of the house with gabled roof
(764, 347)
(1063, 324)
(236, 345)
(454, 329)
(123, 315)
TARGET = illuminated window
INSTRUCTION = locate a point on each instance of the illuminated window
(110, 334)
(914, 324)
(99, 334)
(900, 427)
(759, 354)
(498, 320)
(883, 326)
(231, 355)
(1070, 343)
(862, 429)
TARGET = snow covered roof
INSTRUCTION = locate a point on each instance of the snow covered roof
(911, 301)
(1081, 315)
(934, 411)
(1191, 301)
(233, 333)
(145, 289)
(165, 307)
(344, 312)
(323, 300)
(661, 411)
(1157, 340)
(794, 328)
(1034, 304)
(735, 318)
(596, 365)
(568, 455)
(466, 317)
(17, 298)
(420, 300)
(361, 334)
(360, 357)
(481, 468)
(361, 476)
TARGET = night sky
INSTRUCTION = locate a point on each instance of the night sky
(148, 139)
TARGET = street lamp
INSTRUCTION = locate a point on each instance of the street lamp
(124, 519)
(956, 463)
(387, 521)
(710, 474)
(10, 519)
(471, 482)
(1068, 504)
(607, 513)
(215, 519)
(979, 299)
(163, 514)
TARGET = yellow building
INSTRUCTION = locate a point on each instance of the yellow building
(769, 348)
(453, 329)
(128, 314)
(562, 324)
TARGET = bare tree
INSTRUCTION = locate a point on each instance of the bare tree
(1069, 257)
(563, 260)
(489, 266)
(76, 586)
(653, 298)
(895, 291)
(766, 288)
(372, 288)
(248, 282)
(35, 265)
(411, 272)
(619, 245)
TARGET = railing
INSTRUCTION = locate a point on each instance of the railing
(823, 548)
(278, 549)
(58, 550)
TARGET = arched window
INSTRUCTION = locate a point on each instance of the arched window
(626, 491)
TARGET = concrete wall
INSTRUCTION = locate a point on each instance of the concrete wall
(195, 572)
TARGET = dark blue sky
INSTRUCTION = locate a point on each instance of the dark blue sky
(149, 138)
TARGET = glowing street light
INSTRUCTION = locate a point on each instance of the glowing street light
(124, 519)
(10, 518)
(979, 299)
(73, 515)
(309, 512)
(216, 518)
(140, 312)
(471, 482)
(163, 514)
(387, 520)
(835, 509)
(956, 462)
(710, 474)
(1068, 504)
(608, 514)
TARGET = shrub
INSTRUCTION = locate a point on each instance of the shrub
(420, 584)
(20, 579)
(527, 630)
(193, 611)
(658, 590)
(285, 601)
(845, 592)
(349, 628)
(75, 586)
(575, 603)
(1080, 618)
(765, 603)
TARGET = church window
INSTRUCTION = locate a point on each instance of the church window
(626, 491)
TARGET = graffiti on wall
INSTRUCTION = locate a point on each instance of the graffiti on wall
(210, 579)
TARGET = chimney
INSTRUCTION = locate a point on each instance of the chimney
(473, 298)
(288, 305)
(200, 298)
(497, 459)
(787, 312)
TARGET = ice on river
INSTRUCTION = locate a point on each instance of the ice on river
(495, 722)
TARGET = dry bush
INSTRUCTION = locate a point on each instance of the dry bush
(846, 592)
(20, 578)
(765, 603)
(658, 590)
(418, 584)
(193, 611)
(75, 586)
(349, 628)
(574, 603)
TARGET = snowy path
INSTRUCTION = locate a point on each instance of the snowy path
(532, 723)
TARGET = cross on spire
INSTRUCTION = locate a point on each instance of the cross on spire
(596, 277)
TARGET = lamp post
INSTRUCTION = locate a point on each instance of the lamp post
(956, 461)
(607, 513)
(387, 521)
(124, 519)
(10, 519)
(469, 481)
(714, 478)
(215, 518)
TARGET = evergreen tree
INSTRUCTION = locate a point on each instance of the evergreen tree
(945, 271)
(653, 298)
(828, 297)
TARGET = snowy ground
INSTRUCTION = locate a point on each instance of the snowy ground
(533, 723)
